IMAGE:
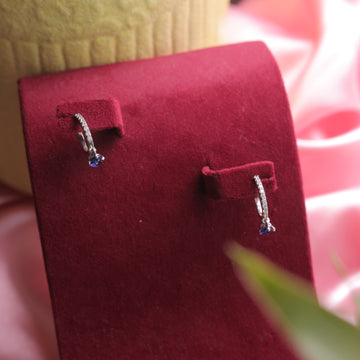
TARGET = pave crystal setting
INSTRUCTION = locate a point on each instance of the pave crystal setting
(87, 143)
(261, 203)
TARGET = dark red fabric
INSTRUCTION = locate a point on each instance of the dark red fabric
(238, 182)
(134, 248)
(99, 115)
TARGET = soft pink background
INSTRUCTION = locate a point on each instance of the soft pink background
(316, 43)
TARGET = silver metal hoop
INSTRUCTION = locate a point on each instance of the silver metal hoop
(262, 206)
(87, 142)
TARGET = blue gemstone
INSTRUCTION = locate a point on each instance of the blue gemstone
(96, 160)
(264, 230)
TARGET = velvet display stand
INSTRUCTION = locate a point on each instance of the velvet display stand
(134, 249)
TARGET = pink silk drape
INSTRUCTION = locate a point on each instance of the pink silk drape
(316, 44)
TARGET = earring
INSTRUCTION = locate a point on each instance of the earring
(95, 159)
(261, 203)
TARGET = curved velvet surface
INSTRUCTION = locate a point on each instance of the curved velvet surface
(134, 249)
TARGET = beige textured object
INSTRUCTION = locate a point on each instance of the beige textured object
(45, 36)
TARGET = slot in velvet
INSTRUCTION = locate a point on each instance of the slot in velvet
(238, 182)
(100, 115)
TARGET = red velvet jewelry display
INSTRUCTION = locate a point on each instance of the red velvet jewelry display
(134, 249)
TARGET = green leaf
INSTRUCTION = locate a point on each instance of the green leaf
(356, 298)
(341, 270)
(314, 333)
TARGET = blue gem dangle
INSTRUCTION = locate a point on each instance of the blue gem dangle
(87, 143)
(261, 203)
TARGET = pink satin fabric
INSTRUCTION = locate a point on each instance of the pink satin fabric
(316, 44)
(26, 324)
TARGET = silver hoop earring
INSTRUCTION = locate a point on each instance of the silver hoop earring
(95, 159)
(261, 203)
